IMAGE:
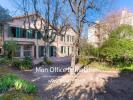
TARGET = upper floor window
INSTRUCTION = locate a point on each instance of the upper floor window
(72, 38)
(23, 33)
(67, 38)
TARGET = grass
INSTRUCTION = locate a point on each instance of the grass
(105, 67)
(5, 70)
(17, 95)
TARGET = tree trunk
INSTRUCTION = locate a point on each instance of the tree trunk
(73, 61)
(46, 54)
(75, 54)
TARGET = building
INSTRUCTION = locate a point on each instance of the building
(99, 32)
(31, 43)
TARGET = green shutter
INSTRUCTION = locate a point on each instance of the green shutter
(21, 32)
(39, 35)
(17, 32)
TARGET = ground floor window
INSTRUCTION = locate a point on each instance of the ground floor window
(41, 51)
(52, 51)
(17, 53)
(61, 49)
(27, 50)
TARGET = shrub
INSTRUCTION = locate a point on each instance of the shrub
(11, 80)
(49, 62)
(25, 86)
(84, 61)
(7, 82)
(46, 61)
(119, 47)
(10, 47)
(5, 61)
(16, 63)
(26, 63)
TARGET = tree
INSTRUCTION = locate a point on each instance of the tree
(50, 14)
(119, 44)
(80, 16)
(4, 14)
(10, 48)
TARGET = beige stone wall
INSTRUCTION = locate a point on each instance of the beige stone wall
(65, 43)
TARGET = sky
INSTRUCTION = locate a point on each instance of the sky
(116, 4)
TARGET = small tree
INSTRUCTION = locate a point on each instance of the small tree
(10, 48)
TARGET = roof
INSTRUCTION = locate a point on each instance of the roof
(23, 16)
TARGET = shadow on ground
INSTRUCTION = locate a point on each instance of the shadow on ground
(111, 88)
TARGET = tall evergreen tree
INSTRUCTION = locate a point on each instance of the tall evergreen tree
(4, 14)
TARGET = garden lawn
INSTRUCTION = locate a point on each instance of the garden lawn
(105, 67)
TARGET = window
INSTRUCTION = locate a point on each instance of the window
(72, 38)
(61, 49)
(41, 51)
(39, 35)
(64, 49)
(17, 53)
(12, 32)
(27, 50)
(67, 38)
(23, 33)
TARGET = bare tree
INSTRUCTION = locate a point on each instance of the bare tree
(80, 14)
(106, 26)
(49, 15)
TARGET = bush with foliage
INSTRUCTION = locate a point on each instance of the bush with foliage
(13, 81)
(84, 61)
(119, 47)
(26, 63)
(24, 86)
(6, 82)
(88, 53)
(46, 61)
(10, 47)
(16, 63)
(5, 61)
